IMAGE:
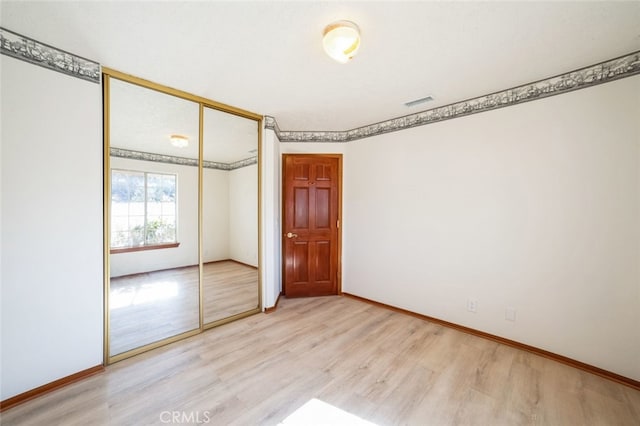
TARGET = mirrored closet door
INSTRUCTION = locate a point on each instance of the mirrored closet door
(230, 215)
(181, 214)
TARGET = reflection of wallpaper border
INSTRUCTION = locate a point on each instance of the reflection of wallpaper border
(32, 51)
(624, 66)
(230, 166)
(182, 161)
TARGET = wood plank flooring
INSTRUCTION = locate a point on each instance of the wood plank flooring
(229, 289)
(152, 306)
(384, 367)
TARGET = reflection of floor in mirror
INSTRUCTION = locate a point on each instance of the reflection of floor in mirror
(152, 306)
(229, 288)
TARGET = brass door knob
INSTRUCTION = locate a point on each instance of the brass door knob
(291, 235)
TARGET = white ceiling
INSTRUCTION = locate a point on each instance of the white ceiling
(267, 56)
(143, 120)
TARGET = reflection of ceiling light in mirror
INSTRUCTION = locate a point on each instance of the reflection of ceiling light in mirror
(179, 141)
(341, 40)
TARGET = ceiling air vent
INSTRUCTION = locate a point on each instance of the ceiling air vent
(418, 101)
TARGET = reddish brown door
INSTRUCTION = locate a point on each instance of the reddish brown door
(311, 244)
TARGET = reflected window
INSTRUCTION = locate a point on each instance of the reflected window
(143, 209)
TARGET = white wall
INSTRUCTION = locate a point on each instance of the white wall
(271, 241)
(215, 215)
(230, 223)
(272, 151)
(243, 215)
(272, 205)
(184, 255)
(534, 207)
(51, 226)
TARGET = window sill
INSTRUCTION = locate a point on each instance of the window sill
(143, 248)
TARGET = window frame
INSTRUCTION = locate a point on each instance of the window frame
(145, 246)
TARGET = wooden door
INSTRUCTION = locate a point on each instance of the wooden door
(311, 211)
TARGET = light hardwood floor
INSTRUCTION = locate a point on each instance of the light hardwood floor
(229, 289)
(384, 367)
(152, 306)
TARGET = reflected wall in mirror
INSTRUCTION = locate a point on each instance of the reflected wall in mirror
(154, 264)
(181, 230)
(230, 283)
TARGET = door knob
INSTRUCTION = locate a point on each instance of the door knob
(291, 235)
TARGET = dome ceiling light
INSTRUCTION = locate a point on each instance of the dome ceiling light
(341, 40)
(179, 141)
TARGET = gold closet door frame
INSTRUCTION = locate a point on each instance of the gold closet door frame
(107, 74)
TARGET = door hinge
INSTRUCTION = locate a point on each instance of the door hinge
(338, 224)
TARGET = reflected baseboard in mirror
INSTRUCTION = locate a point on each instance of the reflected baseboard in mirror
(152, 306)
(154, 294)
(229, 215)
(229, 288)
(181, 172)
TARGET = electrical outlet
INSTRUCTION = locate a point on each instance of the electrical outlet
(472, 305)
(510, 314)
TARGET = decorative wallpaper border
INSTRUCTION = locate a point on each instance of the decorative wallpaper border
(244, 163)
(181, 161)
(614, 69)
(32, 51)
(230, 166)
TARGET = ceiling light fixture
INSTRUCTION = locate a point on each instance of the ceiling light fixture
(179, 141)
(341, 40)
